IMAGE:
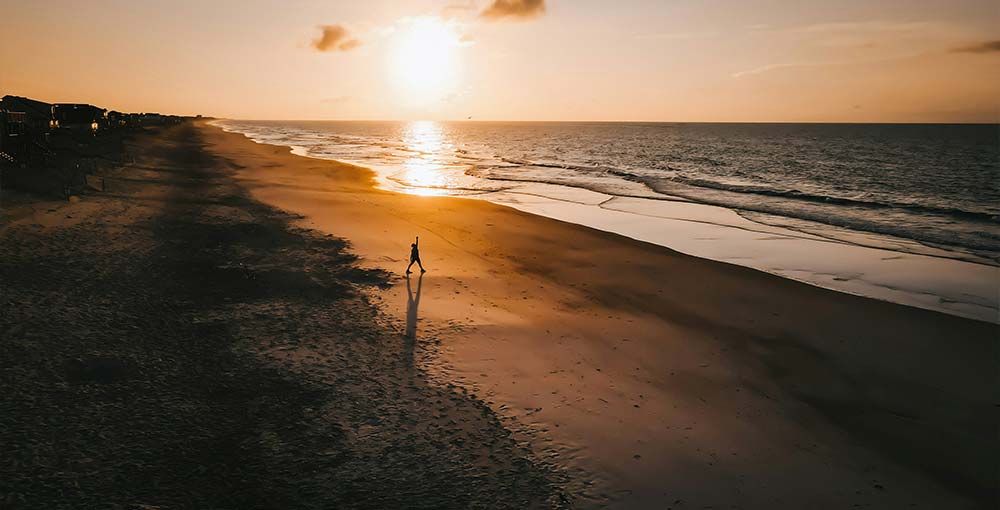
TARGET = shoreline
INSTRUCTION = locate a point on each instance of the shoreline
(666, 376)
(869, 265)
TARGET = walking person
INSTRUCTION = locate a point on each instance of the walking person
(415, 257)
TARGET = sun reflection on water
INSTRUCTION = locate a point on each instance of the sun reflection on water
(423, 170)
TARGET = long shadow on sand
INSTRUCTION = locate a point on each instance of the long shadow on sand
(412, 305)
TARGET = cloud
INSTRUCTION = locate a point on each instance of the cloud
(677, 36)
(887, 36)
(334, 38)
(772, 67)
(468, 6)
(867, 27)
(349, 45)
(981, 47)
(518, 9)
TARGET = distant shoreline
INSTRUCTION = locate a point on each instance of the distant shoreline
(621, 121)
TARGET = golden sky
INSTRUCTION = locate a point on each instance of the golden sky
(651, 60)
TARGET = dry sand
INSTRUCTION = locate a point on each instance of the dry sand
(659, 380)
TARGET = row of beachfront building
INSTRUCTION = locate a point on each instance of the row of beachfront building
(27, 126)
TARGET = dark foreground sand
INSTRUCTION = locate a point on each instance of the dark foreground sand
(140, 364)
(554, 366)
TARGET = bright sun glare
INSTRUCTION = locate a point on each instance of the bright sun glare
(424, 62)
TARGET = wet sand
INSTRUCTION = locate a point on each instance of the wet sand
(655, 379)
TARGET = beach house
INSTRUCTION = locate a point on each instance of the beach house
(37, 114)
(116, 120)
(79, 117)
(12, 137)
(24, 128)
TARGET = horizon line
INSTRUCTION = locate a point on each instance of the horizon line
(618, 121)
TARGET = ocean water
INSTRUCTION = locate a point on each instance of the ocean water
(928, 188)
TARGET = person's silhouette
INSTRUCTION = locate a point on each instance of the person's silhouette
(415, 257)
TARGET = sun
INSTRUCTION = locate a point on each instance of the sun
(424, 61)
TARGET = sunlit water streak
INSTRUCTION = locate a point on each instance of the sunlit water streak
(421, 172)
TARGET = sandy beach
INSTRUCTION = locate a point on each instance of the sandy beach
(659, 379)
(225, 327)
(172, 343)
(665, 255)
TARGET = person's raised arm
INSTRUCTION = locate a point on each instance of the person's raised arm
(417, 242)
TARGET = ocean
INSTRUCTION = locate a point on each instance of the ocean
(932, 185)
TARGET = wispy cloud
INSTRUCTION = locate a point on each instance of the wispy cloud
(980, 47)
(459, 7)
(772, 67)
(866, 26)
(334, 38)
(832, 63)
(866, 42)
(514, 9)
(677, 36)
(889, 35)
